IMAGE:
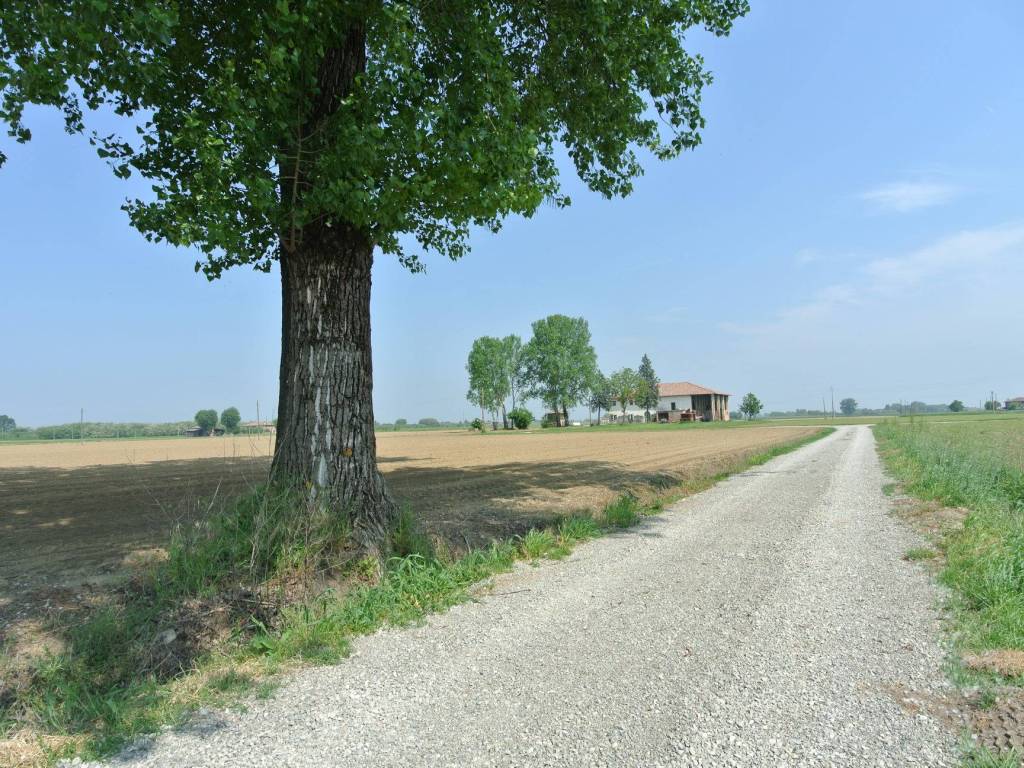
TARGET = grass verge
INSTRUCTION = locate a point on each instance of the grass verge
(266, 583)
(972, 472)
(984, 559)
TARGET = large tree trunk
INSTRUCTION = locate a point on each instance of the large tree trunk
(325, 436)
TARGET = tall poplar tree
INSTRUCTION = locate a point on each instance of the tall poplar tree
(318, 133)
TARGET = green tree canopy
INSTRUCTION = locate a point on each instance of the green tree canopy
(956, 406)
(316, 132)
(442, 116)
(647, 391)
(559, 361)
(848, 406)
(206, 420)
(6, 423)
(623, 385)
(750, 406)
(230, 419)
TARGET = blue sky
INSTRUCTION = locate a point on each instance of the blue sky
(854, 218)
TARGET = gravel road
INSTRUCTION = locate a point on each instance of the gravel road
(765, 622)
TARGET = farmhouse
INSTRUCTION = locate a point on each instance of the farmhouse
(679, 401)
(1015, 404)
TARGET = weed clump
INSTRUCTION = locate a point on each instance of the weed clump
(622, 513)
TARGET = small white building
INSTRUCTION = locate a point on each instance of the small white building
(677, 401)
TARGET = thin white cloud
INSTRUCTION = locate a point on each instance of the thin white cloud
(961, 256)
(970, 248)
(807, 256)
(905, 196)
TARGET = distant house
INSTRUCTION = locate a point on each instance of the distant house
(199, 432)
(677, 401)
(1015, 404)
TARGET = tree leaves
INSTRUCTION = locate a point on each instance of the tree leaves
(452, 122)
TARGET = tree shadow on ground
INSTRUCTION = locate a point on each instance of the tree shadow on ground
(62, 530)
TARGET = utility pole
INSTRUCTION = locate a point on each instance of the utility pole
(81, 423)
(824, 413)
(832, 392)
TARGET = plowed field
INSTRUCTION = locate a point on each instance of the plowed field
(70, 512)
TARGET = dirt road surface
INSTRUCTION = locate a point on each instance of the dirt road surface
(768, 621)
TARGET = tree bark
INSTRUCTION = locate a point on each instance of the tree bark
(325, 433)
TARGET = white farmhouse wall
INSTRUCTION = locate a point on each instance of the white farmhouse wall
(683, 403)
(616, 409)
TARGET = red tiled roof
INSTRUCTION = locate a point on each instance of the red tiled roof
(681, 388)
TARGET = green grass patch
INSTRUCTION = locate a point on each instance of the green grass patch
(622, 513)
(980, 757)
(920, 553)
(979, 466)
(280, 572)
(538, 543)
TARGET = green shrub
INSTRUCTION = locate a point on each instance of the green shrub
(476, 424)
(520, 418)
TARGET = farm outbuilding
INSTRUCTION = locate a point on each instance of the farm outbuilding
(677, 401)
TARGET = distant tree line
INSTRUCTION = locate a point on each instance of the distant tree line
(229, 420)
(95, 430)
(848, 406)
(428, 422)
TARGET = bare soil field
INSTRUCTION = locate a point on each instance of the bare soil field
(77, 513)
